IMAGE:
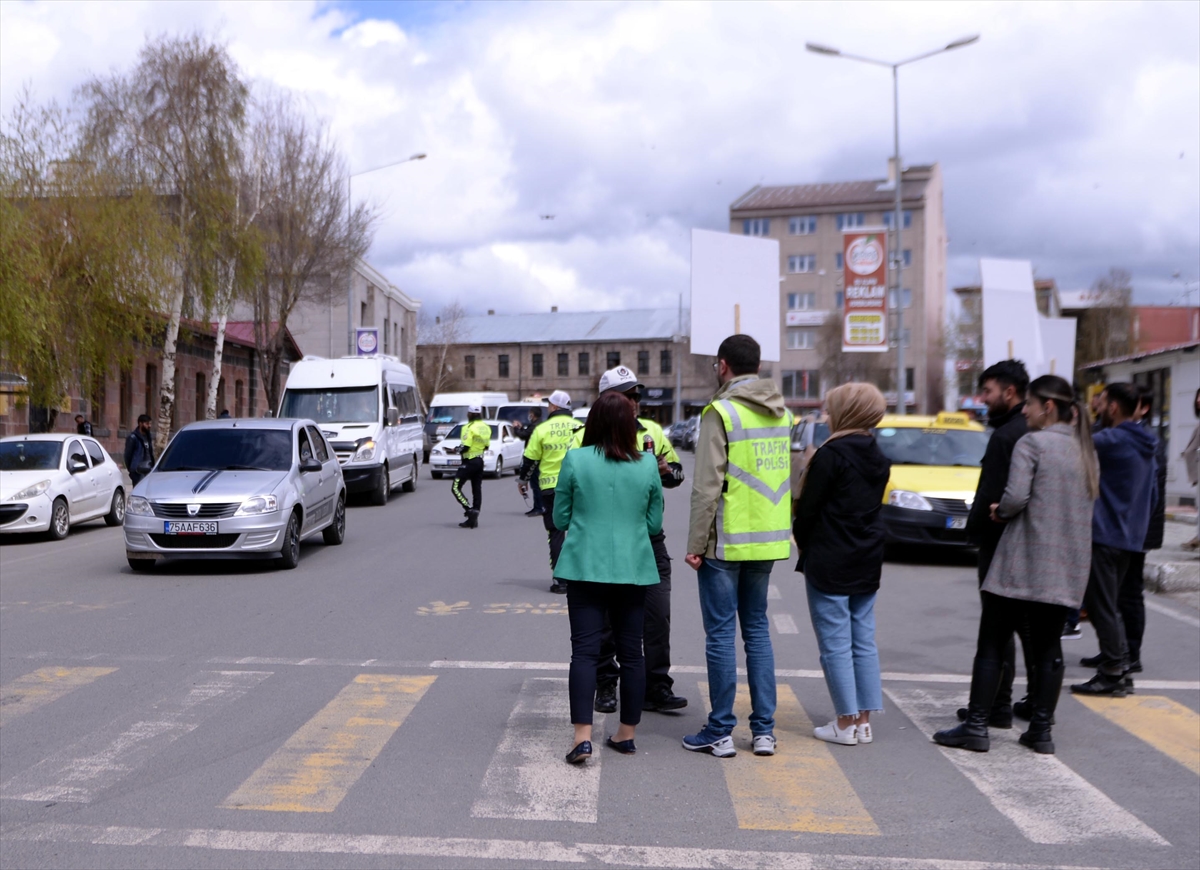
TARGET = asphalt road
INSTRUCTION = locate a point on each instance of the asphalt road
(401, 701)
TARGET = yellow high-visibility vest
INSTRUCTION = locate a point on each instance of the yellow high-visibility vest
(548, 445)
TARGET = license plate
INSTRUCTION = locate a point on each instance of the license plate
(452, 460)
(956, 522)
(190, 528)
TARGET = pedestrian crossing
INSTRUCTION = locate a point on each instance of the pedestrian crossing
(807, 787)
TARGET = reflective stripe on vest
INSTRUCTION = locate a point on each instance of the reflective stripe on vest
(754, 515)
(548, 445)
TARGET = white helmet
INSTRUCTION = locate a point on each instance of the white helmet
(621, 379)
(560, 399)
(474, 409)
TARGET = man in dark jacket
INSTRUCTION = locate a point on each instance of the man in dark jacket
(1003, 388)
(82, 425)
(1120, 521)
(139, 450)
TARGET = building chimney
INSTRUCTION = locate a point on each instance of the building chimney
(491, 311)
(554, 309)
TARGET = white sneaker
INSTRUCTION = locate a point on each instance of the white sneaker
(832, 734)
(764, 744)
(863, 732)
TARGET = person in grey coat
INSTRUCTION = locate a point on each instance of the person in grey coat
(1041, 565)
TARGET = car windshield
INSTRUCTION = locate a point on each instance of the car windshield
(30, 455)
(229, 450)
(912, 446)
(347, 405)
(447, 413)
(518, 414)
(456, 432)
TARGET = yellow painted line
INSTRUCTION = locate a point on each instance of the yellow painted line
(313, 771)
(27, 693)
(1167, 725)
(799, 788)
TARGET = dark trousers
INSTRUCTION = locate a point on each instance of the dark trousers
(539, 503)
(656, 632)
(1132, 605)
(1003, 702)
(1040, 627)
(553, 535)
(472, 470)
(1103, 590)
(589, 606)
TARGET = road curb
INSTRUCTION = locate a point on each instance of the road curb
(1172, 576)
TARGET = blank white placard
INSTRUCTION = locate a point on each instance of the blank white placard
(727, 271)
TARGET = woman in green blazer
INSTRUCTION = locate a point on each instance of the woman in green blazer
(609, 501)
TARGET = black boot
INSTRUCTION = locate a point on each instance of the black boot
(1044, 699)
(973, 732)
(471, 522)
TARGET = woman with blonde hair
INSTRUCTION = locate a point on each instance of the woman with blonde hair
(839, 533)
(1041, 565)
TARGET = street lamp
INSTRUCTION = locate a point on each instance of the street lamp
(350, 272)
(901, 381)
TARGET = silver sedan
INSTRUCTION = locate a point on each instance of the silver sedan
(250, 488)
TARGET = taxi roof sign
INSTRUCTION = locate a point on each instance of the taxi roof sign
(952, 418)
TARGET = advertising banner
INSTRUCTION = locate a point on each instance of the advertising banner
(366, 341)
(865, 327)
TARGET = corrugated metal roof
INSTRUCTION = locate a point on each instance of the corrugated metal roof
(845, 193)
(568, 326)
(1142, 354)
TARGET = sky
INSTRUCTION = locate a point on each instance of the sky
(1069, 135)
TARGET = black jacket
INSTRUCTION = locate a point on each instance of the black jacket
(838, 527)
(993, 475)
(138, 450)
(1158, 511)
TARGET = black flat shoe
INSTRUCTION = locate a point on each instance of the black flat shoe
(580, 753)
(625, 747)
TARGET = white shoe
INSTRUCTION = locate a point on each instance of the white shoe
(764, 744)
(863, 732)
(832, 734)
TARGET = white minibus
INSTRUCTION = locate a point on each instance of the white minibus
(448, 409)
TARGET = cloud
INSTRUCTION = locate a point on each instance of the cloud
(1060, 133)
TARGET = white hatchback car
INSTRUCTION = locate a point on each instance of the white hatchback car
(504, 453)
(50, 482)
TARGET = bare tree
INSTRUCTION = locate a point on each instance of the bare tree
(310, 239)
(1105, 329)
(839, 367)
(445, 331)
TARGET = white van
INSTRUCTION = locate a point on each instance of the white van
(448, 409)
(369, 411)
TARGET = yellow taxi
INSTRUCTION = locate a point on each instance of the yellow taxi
(935, 469)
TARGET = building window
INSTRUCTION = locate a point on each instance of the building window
(125, 418)
(801, 339)
(905, 219)
(152, 391)
(800, 263)
(838, 261)
(585, 363)
(802, 226)
(614, 359)
(906, 297)
(905, 258)
(909, 377)
(802, 301)
(851, 220)
(839, 299)
(502, 365)
(643, 362)
(664, 362)
(362, 314)
(239, 398)
(221, 405)
(564, 365)
(387, 334)
(537, 365)
(201, 396)
(802, 384)
(756, 227)
(469, 366)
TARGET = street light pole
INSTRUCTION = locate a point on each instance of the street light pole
(897, 255)
(350, 271)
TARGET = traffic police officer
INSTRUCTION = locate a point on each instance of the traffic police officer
(476, 436)
(547, 446)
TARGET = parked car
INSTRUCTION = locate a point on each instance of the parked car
(51, 482)
(503, 453)
(244, 488)
(674, 432)
(691, 431)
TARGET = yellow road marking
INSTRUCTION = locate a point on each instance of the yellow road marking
(801, 787)
(39, 688)
(1167, 725)
(313, 771)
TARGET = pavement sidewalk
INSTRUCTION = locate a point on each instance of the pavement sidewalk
(1172, 568)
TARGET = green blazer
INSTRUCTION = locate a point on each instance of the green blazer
(609, 511)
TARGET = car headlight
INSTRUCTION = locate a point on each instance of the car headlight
(31, 491)
(437, 451)
(139, 507)
(912, 500)
(365, 451)
(260, 504)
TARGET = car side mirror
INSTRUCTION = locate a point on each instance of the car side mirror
(508, 439)
(76, 467)
(393, 416)
(309, 464)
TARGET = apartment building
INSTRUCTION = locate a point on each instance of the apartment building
(808, 221)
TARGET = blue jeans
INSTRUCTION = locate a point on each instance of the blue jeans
(729, 592)
(845, 628)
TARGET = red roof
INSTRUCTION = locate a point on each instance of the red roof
(242, 332)
(839, 193)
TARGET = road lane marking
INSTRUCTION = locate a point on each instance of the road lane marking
(773, 592)
(314, 770)
(84, 769)
(1173, 613)
(1167, 725)
(519, 852)
(784, 624)
(1047, 801)
(26, 693)
(801, 787)
(527, 777)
